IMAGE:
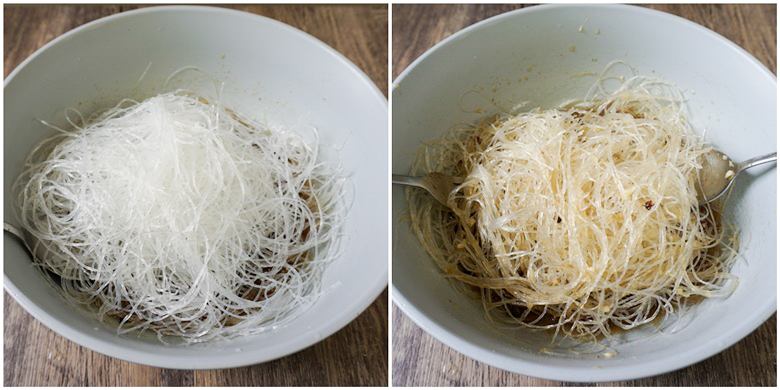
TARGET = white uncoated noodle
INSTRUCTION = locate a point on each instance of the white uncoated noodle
(177, 216)
(582, 219)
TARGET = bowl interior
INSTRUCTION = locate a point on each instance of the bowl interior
(270, 70)
(540, 57)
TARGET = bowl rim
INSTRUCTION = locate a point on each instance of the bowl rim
(240, 357)
(517, 365)
(543, 7)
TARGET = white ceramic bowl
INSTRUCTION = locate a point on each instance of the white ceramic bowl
(731, 94)
(269, 68)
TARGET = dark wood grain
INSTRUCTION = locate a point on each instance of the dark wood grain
(356, 355)
(421, 360)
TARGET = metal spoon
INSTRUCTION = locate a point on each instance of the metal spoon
(17, 234)
(718, 172)
(715, 177)
(437, 184)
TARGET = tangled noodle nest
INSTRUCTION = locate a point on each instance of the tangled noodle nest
(178, 216)
(582, 219)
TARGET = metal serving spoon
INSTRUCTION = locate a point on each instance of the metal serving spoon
(17, 234)
(716, 176)
(437, 184)
(718, 172)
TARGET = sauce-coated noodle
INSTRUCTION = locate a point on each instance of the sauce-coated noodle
(580, 219)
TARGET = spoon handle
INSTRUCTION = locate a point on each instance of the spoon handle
(406, 180)
(13, 230)
(758, 161)
(17, 234)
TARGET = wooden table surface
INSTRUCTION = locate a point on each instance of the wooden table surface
(356, 355)
(421, 360)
